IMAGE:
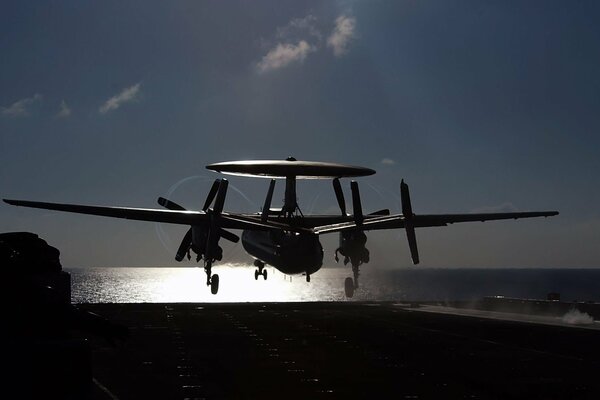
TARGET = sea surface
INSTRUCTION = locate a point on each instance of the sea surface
(237, 284)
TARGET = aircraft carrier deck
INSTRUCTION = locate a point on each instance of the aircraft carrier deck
(345, 350)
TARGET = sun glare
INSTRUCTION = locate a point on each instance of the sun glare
(183, 285)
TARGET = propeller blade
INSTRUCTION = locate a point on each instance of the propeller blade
(405, 199)
(214, 230)
(169, 204)
(185, 245)
(232, 237)
(211, 194)
(339, 195)
(408, 221)
(356, 205)
(267, 205)
(221, 193)
(412, 242)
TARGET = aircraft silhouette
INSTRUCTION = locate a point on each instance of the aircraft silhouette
(284, 237)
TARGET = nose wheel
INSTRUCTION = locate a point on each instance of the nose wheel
(260, 270)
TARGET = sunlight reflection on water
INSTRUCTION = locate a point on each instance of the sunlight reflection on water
(167, 285)
(237, 284)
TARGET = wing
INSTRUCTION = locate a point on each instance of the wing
(445, 219)
(182, 217)
(421, 221)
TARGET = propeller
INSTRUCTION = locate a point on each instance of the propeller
(356, 204)
(339, 195)
(169, 204)
(218, 189)
(408, 221)
(184, 247)
(214, 230)
(186, 243)
(211, 194)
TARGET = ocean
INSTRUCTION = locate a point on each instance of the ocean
(237, 284)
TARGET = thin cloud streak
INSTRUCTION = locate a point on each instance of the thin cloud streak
(65, 110)
(388, 161)
(342, 34)
(284, 54)
(127, 95)
(21, 108)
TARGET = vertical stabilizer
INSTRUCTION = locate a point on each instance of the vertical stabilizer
(267, 205)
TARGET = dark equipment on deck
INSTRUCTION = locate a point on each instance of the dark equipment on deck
(49, 355)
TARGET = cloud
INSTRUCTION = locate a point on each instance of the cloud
(64, 111)
(284, 54)
(127, 95)
(388, 161)
(300, 37)
(342, 34)
(21, 108)
(299, 27)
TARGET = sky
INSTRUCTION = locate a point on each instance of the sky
(478, 106)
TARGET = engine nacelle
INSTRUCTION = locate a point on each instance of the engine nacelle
(352, 247)
(199, 243)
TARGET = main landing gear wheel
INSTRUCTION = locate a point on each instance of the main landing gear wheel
(214, 284)
(349, 287)
(263, 274)
(260, 271)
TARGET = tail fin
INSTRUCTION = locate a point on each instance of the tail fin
(267, 206)
(408, 222)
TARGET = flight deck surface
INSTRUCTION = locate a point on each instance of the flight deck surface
(338, 350)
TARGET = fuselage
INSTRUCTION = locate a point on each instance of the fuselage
(290, 253)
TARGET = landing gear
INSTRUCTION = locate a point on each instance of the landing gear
(214, 284)
(260, 271)
(307, 277)
(349, 287)
(355, 272)
(211, 280)
(352, 247)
